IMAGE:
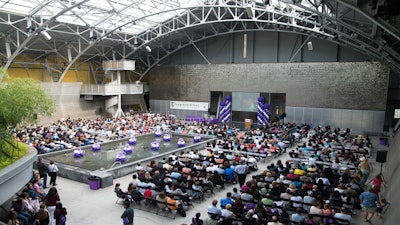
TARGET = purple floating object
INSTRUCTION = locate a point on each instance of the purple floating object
(167, 138)
(158, 134)
(96, 147)
(120, 157)
(197, 138)
(181, 143)
(132, 141)
(128, 149)
(155, 146)
(78, 153)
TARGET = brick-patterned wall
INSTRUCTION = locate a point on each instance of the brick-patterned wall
(349, 85)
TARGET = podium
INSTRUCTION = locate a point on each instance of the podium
(247, 124)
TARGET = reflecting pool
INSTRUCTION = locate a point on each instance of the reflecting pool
(105, 159)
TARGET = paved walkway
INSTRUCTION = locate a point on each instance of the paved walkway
(98, 207)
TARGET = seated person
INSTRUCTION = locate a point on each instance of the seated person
(172, 203)
(297, 218)
(227, 200)
(161, 197)
(197, 190)
(118, 190)
(267, 201)
(148, 194)
(343, 216)
(227, 212)
(229, 174)
(216, 179)
(213, 211)
(137, 196)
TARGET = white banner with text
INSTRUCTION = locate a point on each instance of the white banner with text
(199, 106)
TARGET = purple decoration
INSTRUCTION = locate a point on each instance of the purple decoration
(262, 112)
(96, 147)
(78, 153)
(158, 133)
(225, 110)
(120, 157)
(132, 141)
(197, 138)
(167, 138)
(181, 143)
(155, 146)
(128, 149)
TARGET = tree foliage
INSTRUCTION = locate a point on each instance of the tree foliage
(22, 100)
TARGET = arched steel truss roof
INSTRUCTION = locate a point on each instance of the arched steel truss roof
(337, 21)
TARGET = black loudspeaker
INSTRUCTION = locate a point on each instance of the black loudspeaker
(381, 156)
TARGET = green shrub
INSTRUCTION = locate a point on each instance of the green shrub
(11, 153)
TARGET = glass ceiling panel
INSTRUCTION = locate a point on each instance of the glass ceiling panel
(101, 14)
(135, 15)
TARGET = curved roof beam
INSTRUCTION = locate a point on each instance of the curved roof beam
(38, 30)
(323, 26)
(319, 20)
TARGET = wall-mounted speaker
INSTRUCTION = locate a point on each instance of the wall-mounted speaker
(381, 156)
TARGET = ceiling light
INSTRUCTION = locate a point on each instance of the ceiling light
(310, 46)
(46, 35)
(148, 49)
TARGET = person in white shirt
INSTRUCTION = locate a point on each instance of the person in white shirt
(308, 200)
(135, 181)
(227, 212)
(343, 216)
(252, 162)
(139, 167)
(297, 201)
(53, 170)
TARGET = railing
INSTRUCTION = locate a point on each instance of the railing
(112, 89)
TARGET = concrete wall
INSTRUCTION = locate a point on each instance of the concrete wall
(69, 103)
(350, 86)
(15, 176)
(391, 171)
(264, 47)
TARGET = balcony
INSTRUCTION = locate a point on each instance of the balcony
(112, 89)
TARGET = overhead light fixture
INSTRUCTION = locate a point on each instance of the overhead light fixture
(148, 49)
(250, 11)
(46, 35)
(310, 46)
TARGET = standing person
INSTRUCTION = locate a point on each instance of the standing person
(53, 169)
(42, 171)
(51, 200)
(365, 169)
(241, 170)
(60, 214)
(368, 201)
(127, 215)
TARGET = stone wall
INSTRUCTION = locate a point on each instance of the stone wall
(349, 85)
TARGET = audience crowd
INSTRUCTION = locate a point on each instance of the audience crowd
(324, 180)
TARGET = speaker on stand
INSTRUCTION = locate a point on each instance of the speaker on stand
(381, 158)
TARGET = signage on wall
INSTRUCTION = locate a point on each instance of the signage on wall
(199, 106)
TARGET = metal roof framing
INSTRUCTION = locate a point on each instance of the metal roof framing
(118, 35)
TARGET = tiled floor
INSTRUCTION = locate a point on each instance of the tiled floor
(98, 207)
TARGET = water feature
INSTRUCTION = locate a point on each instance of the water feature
(103, 162)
